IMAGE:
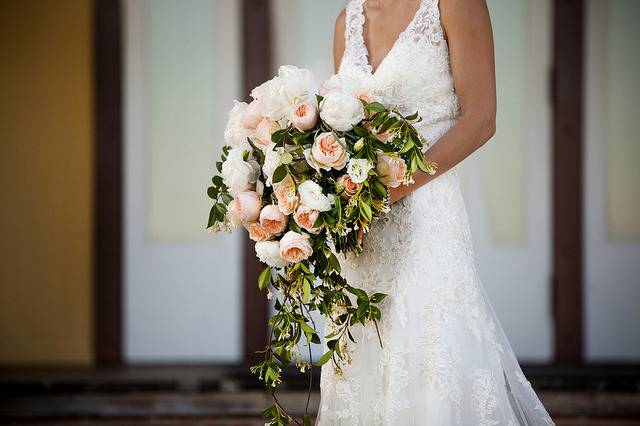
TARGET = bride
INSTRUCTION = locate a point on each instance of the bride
(445, 359)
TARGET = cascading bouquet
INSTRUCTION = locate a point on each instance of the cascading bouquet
(306, 169)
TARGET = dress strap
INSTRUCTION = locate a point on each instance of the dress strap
(355, 49)
(427, 25)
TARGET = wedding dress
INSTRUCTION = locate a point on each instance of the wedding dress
(445, 359)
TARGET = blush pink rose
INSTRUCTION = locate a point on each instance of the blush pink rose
(251, 117)
(258, 232)
(264, 130)
(295, 247)
(273, 219)
(327, 152)
(304, 116)
(391, 170)
(247, 206)
(383, 137)
(365, 96)
(306, 217)
(350, 187)
(286, 195)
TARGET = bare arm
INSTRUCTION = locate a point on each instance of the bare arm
(468, 29)
(338, 41)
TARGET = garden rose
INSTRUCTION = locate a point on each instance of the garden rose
(273, 219)
(272, 156)
(391, 170)
(291, 86)
(363, 96)
(285, 191)
(235, 134)
(269, 252)
(341, 111)
(304, 116)
(258, 232)
(327, 152)
(232, 215)
(306, 218)
(295, 247)
(251, 116)
(349, 187)
(247, 206)
(239, 175)
(358, 169)
(264, 130)
(311, 196)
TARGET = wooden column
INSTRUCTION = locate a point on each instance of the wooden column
(108, 190)
(568, 32)
(256, 22)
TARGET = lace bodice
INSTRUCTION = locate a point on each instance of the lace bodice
(414, 76)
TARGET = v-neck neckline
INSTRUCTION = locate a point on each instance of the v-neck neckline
(367, 55)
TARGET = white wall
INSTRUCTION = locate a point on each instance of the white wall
(182, 286)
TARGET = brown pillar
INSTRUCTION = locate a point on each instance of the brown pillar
(568, 48)
(256, 32)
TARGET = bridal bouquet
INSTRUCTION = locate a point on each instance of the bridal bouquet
(306, 169)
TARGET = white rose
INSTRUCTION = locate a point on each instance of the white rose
(311, 196)
(235, 134)
(291, 86)
(340, 83)
(358, 169)
(341, 110)
(269, 252)
(237, 174)
(272, 157)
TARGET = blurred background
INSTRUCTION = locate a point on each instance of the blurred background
(116, 307)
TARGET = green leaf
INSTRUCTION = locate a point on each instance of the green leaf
(264, 278)
(378, 297)
(212, 217)
(334, 262)
(319, 99)
(306, 291)
(212, 192)
(375, 106)
(412, 116)
(324, 358)
(306, 420)
(407, 146)
(365, 210)
(286, 158)
(279, 173)
(226, 198)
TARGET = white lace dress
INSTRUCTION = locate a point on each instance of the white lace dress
(446, 360)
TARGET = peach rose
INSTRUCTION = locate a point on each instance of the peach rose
(264, 130)
(273, 219)
(258, 232)
(306, 217)
(304, 116)
(295, 247)
(391, 170)
(350, 187)
(251, 117)
(383, 137)
(285, 191)
(247, 206)
(327, 152)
